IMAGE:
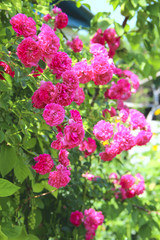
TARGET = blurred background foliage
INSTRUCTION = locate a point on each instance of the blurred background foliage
(30, 209)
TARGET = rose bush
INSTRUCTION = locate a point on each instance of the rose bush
(62, 105)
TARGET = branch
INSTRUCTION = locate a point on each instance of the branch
(125, 21)
(95, 96)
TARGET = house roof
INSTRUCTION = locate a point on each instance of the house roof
(77, 16)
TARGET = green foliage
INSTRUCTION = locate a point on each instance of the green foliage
(30, 208)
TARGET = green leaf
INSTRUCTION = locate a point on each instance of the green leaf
(7, 188)
(2, 136)
(2, 235)
(37, 187)
(30, 143)
(147, 45)
(50, 188)
(142, 3)
(42, 64)
(8, 33)
(145, 231)
(104, 23)
(119, 29)
(8, 159)
(21, 170)
(87, 5)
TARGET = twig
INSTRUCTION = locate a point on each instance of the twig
(125, 21)
(95, 96)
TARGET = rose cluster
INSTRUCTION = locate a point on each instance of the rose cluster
(110, 37)
(91, 219)
(127, 186)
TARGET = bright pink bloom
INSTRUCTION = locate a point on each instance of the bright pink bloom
(121, 90)
(23, 25)
(75, 117)
(143, 137)
(61, 20)
(98, 37)
(134, 79)
(44, 95)
(63, 157)
(76, 218)
(124, 114)
(127, 181)
(110, 152)
(124, 138)
(73, 135)
(98, 49)
(113, 47)
(7, 69)
(103, 69)
(28, 51)
(110, 35)
(88, 147)
(70, 79)
(111, 112)
(76, 44)
(60, 177)
(48, 42)
(60, 63)
(37, 72)
(59, 143)
(79, 96)
(56, 10)
(47, 17)
(84, 71)
(103, 130)
(44, 164)
(64, 96)
(53, 114)
(92, 219)
(137, 119)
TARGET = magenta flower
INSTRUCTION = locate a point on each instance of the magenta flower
(44, 95)
(23, 25)
(44, 164)
(76, 44)
(98, 37)
(63, 157)
(7, 69)
(59, 177)
(53, 114)
(60, 63)
(61, 20)
(103, 130)
(76, 218)
(29, 52)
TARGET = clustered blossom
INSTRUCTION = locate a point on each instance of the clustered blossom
(44, 164)
(103, 69)
(76, 44)
(29, 52)
(60, 63)
(44, 95)
(23, 25)
(103, 130)
(59, 177)
(88, 147)
(53, 114)
(109, 36)
(91, 219)
(72, 135)
(135, 132)
(127, 186)
(121, 90)
(7, 69)
(61, 20)
(48, 42)
(84, 71)
(63, 157)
